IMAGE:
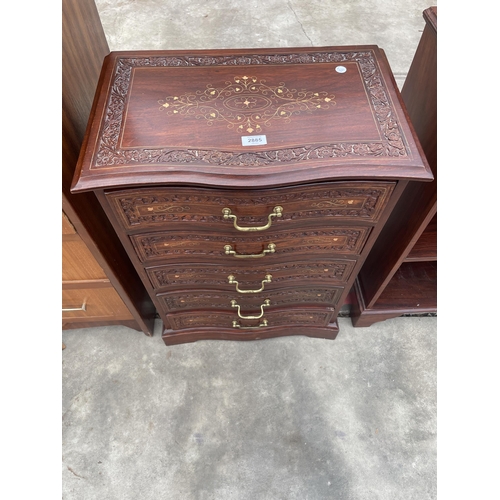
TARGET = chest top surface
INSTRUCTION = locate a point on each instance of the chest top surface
(239, 118)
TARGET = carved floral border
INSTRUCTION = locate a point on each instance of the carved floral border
(109, 153)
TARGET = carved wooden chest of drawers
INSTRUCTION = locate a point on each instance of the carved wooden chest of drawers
(248, 186)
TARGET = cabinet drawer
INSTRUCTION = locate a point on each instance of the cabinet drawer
(78, 263)
(291, 317)
(215, 300)
(179, 208)
(93, 303)
(287, 244)
(326, 272)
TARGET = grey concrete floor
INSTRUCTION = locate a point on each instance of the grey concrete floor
(393, 25)
(281, 419)
(292, 418)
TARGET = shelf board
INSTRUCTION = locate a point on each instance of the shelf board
(412, 289)
(425, 249)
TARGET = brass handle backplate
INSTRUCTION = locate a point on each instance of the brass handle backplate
(277, 212)
(228, 250)
(266, 303)
(82, 308)
(232, 281)
(261, 325)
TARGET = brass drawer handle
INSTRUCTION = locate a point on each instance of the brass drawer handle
(232, 281)
(228, 249)
(83, 308)
(237, 325)
(277, 212)
(266, 303)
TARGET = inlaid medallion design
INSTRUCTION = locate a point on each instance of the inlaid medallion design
(247, 104)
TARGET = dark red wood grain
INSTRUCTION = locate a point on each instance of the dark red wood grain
(339, 143)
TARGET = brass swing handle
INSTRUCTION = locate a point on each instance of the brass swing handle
(266, 303)
(232, 281)
(228, 250)
(277, 212)
(237, 325)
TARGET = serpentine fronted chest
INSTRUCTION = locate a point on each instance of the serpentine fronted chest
(248, 186)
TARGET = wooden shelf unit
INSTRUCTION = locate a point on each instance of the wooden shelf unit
(400, 274)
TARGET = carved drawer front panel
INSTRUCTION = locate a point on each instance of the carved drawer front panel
(214, 300)
(93, 303)
(326, 272)
(277, 246)
(250, 210)
(280, 317)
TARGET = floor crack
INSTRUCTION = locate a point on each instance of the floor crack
(298, 20)
(73, 472)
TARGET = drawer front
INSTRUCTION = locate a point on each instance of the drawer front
(148, 209)
(321, 272)
(251, 302)
(282, 317)
(287, 244)
(93, 303)
(78, 263)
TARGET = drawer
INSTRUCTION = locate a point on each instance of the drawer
(93, 303)
(178, 208)
(78, 263)
(283, 274)
(290, 317)
(170, 245)
(221, 300)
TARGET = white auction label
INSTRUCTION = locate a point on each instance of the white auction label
(253, 140)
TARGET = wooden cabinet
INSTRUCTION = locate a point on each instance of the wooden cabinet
(100, 285)
(248, 186)
(88, 298)
(400, 274)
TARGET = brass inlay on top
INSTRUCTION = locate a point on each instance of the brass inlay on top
(247, 104)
